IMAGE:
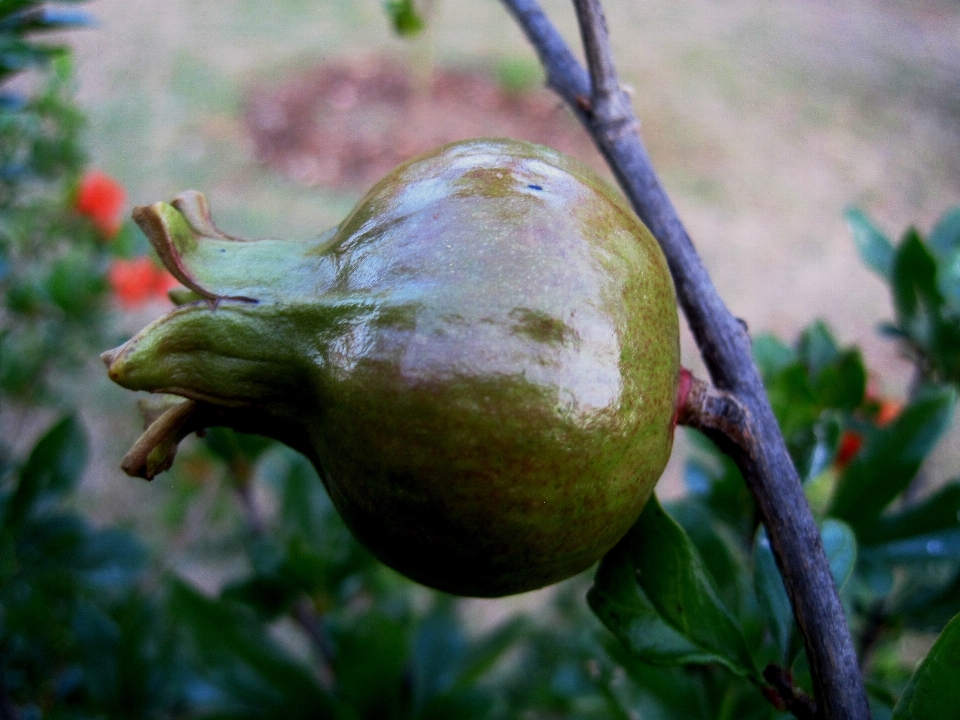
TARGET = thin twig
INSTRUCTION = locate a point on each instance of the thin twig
(608, 103)
(725, 347)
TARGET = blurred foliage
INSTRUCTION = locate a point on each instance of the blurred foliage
(406, 19)
(52, 260)
(303, 622)
(924, 278)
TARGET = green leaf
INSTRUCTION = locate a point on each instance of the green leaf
(933, 692)
(891, 458)
(843, 383)
(715, 480)
(817, 348)
(944, 239)
(915, 289)
(304, 507)
(654, 593)
(771, 594)
(55, 465)
(404, 16)
(793, 400)
(875, 249)
(772, 354)
(840, 546)
(718, 547)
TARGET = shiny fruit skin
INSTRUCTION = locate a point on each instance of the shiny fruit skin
(482, 359)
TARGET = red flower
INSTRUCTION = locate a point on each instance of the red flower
(136, 282)
(101, 198)
(850, 444)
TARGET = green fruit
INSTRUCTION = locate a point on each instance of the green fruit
(481, 360)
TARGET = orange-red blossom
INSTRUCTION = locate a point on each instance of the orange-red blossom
(851, 441)
(138, 281)
(102, 199)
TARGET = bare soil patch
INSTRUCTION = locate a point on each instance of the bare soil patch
(345, 124)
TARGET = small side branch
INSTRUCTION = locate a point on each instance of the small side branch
(705, 408)
(608, 103)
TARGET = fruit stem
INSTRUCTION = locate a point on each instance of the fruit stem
(704, 407)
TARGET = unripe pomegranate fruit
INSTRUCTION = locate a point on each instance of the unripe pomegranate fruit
(481, 360)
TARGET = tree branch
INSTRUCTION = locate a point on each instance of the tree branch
(725, 347)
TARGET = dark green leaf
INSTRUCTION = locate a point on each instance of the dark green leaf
(715, 479)
(53, 468)
(891, 458)
(718, 548)
(875, 249)
(940, 511)
(305, 507)
(842, 383)
(771, 594)
(948, 282)
(817, 348)
(44, 18)
(840, 546)
(268, 595)
(931, 605)
(793, 400)
(76, 283)
(653, 592)
(933, 692)
(915, 295)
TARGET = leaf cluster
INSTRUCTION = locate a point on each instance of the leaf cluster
(924, 278)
